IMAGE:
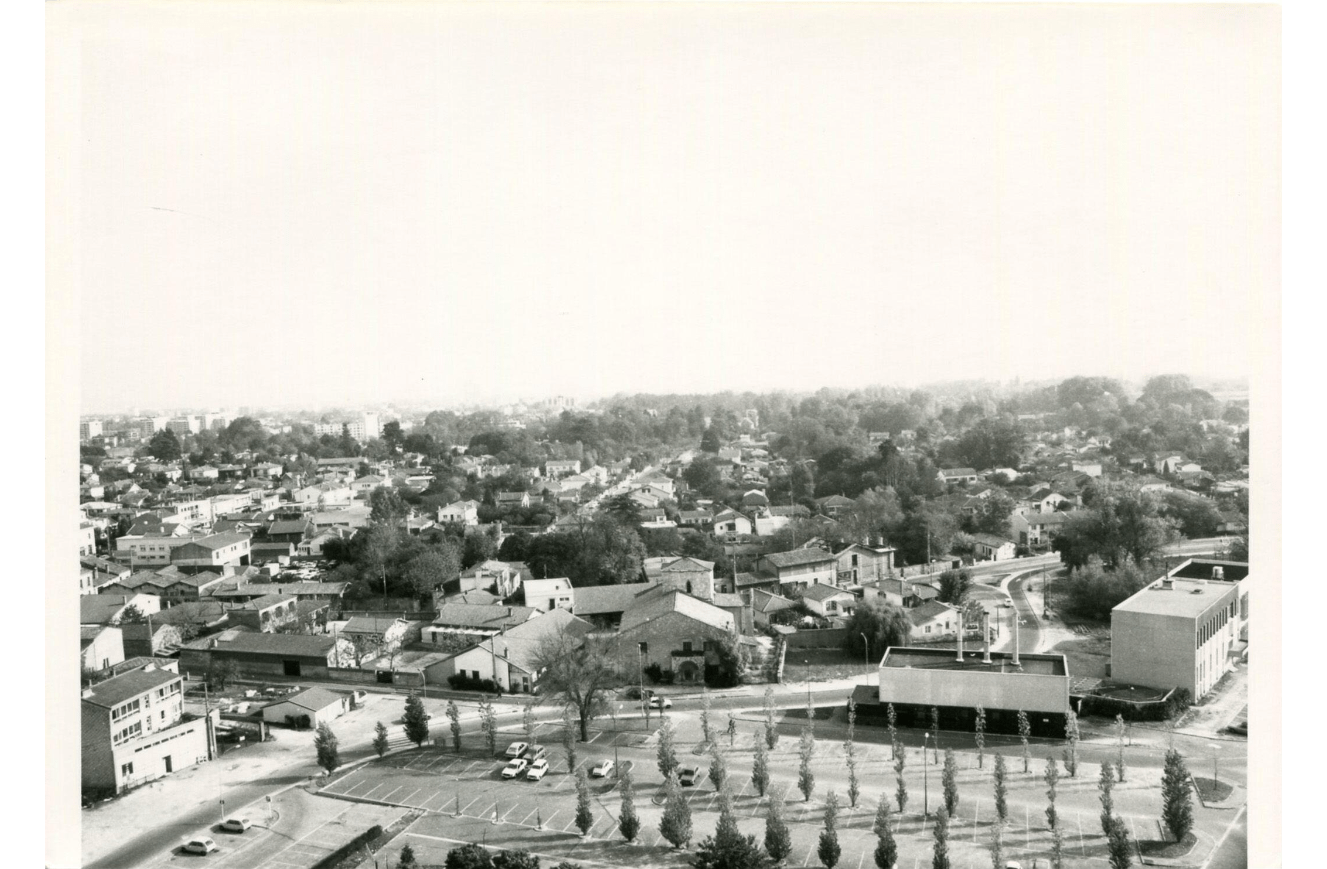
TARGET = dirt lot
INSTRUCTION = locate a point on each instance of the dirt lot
(1088, 655)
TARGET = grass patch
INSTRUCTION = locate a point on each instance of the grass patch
(1136, 693)
(1212, 791)
(1087, 656)
(1167, 850)
(824, 664)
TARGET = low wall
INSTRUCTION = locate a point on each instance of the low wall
(827, 638)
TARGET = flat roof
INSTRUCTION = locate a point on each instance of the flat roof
(1201, 568)
(921, 658)
(1188, 598)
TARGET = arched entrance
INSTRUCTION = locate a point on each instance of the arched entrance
(688, 671)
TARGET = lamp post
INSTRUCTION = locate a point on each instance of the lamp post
(1216, 748)
(867, 651)
(926, 783)
(644, 702)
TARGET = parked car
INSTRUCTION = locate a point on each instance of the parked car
(632, 693)
(537, 770)
(202, 845)
(687, 775)
(236, 824)
(1239, 728)
(602, 770)
(535, 752)
(515, 768)
(658, 702)
(516, 749)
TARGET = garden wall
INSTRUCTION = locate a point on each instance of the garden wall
(827, 638)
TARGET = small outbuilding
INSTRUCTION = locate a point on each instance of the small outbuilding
(307, 708)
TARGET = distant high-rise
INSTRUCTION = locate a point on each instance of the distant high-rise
(89, 428)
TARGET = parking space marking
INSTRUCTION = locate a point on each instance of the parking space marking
(435, 761)
(405, 800)
(593, 738)
(570, 824)
(528, 817)
(508, 812)
(388, 795)
(1081, 845)
(550, 818)
(472, 765)
(443, 794)
(471, 803)
(756, 807)
(806, 861)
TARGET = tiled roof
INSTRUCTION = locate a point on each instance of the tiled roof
(928, 611)
(798, 557)
(118, 689)
(314, 699)
(823, 592)
(299, 645)
(600, 599)
(650, 607)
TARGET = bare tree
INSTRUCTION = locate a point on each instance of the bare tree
(577, 671)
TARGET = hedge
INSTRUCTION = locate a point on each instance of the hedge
(334, 858)
(462, 682)
(1168, 707)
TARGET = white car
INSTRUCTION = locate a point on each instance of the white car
(537, 770)
(515, 768)
(657, 702)
(516, 749)
(202, 845)
(602, 770)
(236, 825)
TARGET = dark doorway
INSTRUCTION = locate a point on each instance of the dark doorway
(290, 668)
(168, 764)
(385, 677)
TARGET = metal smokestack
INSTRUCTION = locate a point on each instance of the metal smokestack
(986, 636)
(960, 637)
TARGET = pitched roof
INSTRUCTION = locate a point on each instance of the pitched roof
(991, 540)
(743, 580)
(267, 600)
(798, 557)
(649, 607)
(520, 644)
(768, 602)
(958, 472)
(100, 609)
(289, 526)
(118, 689)
(728, 601)
(255, 643)
(314, 699)
(823, 592)
(466, 615)
(600, 599)
(370, 624)
(928, 611)
(220, 541)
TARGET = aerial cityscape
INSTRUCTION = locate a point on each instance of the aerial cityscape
(724, 630)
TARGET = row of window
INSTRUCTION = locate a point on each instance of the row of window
(1214, 624)
(133, 730)
(125, 709)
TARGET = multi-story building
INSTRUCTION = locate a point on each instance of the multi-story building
(1181, 631)
(89, 428)
(216, 550)
(134, 730)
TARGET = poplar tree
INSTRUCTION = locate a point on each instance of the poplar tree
(771, 735)
(527, 721)
(718, 767)
(1176, 801)
(760, 769)
(380, 742)
(584, 814)
(1071, 737)
(1120, 730)
(778, 840)
(666, 752)
(676, 822)
(1052, 778)
(1024, 731)
(980, 728)
(1001, 790)
(454, 716)
(806, 779)
(950, 780)
(829, 850)
(1106, 784)
(569, 738)
(892, 718)
(628, 822)
(901, 790)
(488, 720)
(940, 850)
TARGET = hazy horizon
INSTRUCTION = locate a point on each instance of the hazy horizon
(448, 205)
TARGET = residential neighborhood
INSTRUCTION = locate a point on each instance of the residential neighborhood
(249, 581)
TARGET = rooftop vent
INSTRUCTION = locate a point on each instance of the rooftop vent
(1196, 591)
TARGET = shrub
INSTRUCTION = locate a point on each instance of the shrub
(462, 682)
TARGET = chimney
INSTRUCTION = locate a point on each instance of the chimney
(1017, 665)
(986, 636)
(959, 658)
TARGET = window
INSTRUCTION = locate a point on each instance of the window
(686, 645)
(126, 769)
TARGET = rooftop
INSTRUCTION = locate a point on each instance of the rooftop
(1186, 598)
(118, 689)
(912, 657)
(798, 557)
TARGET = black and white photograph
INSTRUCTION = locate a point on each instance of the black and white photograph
(723, 435)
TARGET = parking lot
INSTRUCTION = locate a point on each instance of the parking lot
(467, 800)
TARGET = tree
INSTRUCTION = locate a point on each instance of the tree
(221, 672)
(164, 446)
(666, 752)
(900, 762)
(854, 788)
(1117, 845)
(407, 858)
(325, 743)
(1120, 729)
(577, 671)
(732, 731)
(1024, 731)
(569, 738)
(718, 767)
(1001, 789)
(705, 716)
(1052, 778)
(829, 850)
(1057, 848)
(527, 721)
(883, 624)
(709, 441)
(806, 779)
(997, 846)
(675, 826)
(935, 731)
(628, 822)
(515, 860)
(1120, 526)
(584, 816)
(771, 735)
(950, 779)
(1176, 801)
(778, 840)
(416, 720)
(892, 718)
(431, 569)
(469, 857)
(488, 722)
(1071, 738)
(380, 739)
(623, 509)
(454, 716)
(886, 849)
(940, 850)
(955, 586)
(1105, 786)
(386, 506)
(728, 848)
(760, 768)
(132, 615)
(981, 736)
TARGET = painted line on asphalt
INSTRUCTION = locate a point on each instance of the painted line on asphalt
(1082, 846)
(443, 794)
(550, 818)
(472, 765)
(388, 795)
(508, 812)
(756, 806)
(405, 800)
(471, 803)
(528, 817)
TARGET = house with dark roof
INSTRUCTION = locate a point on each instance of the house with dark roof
(857, 563)
(604, 605)
(258, 655)
(474, 623)
(511, 658)
(800, 568)
(827, 601)
(950, 476)
(134, 729)
(108, 609)
(216, 550)
(765, 603)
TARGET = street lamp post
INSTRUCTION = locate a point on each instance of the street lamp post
(926, 782)
(1216, 748)
(867, 651)
(644, 702)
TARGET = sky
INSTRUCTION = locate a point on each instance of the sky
(336, 204)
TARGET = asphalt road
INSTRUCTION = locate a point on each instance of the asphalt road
(1233, 852)
(1029, 625)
